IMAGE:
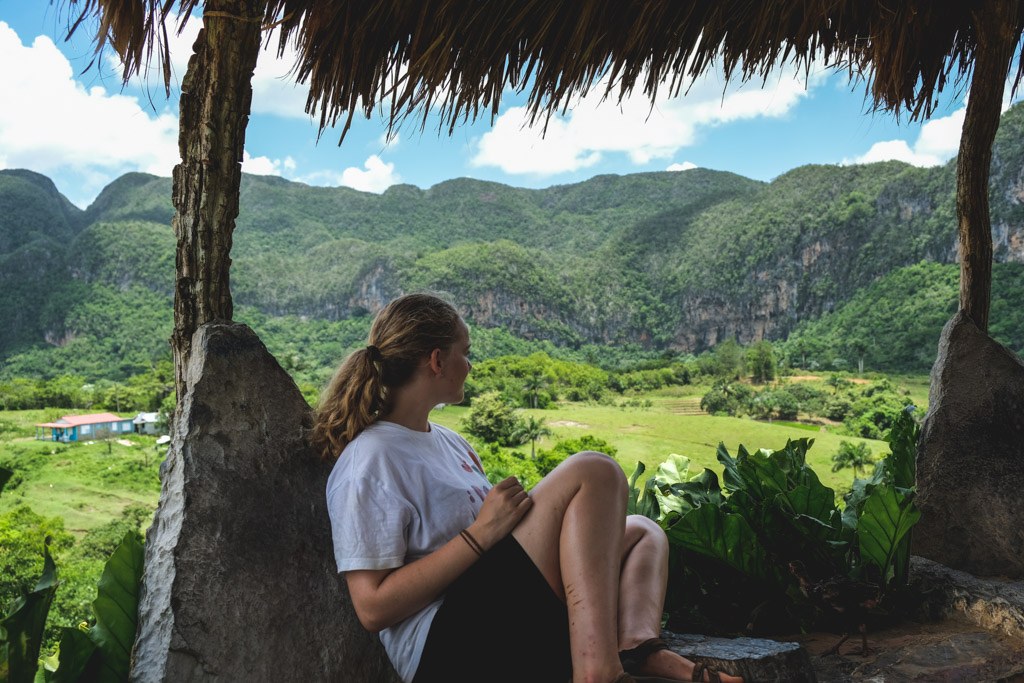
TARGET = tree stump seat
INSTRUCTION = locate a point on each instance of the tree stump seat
(755, 659)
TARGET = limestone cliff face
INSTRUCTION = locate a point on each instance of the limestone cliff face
(665, 260)
(807, 273)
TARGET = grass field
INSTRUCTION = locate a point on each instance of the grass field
(87, 484)
(650, 434)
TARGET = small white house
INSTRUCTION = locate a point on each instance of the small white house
(145, 423)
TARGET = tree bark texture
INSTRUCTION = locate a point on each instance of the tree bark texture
(994, 24)
(216, 95)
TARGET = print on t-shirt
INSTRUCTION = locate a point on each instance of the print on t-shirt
(476, 466)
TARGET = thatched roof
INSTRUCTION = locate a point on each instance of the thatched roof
(459, 56)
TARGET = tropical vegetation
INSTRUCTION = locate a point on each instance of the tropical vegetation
(754, 546)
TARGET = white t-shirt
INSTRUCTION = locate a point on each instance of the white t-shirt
(394, 496)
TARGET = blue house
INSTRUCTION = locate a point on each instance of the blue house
(85, 427)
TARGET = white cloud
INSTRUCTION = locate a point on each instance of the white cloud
(388, 143)
(50, 123)
(266, 165)
(937, 142)
(375, 176)
(685, 166)
(274, 90)
(594, 128)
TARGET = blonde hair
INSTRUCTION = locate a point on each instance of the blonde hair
(405, 332)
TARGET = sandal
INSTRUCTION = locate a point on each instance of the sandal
(698, 673)
(634, 659)
(626, 677)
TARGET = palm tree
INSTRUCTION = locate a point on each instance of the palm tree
(531, 429)
(533, 384)
(856, 456)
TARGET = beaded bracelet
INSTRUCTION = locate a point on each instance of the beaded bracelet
(472, 542)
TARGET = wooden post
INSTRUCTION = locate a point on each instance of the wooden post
(216, 95)
(994, 23)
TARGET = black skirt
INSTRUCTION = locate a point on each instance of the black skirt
(500, 622)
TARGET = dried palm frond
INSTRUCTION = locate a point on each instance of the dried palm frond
(459, 56)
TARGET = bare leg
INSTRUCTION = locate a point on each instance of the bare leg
(642, 586)
(574, 534)
(643, 582)
(611, 572)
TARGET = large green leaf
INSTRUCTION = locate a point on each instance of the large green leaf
(76, 657)
(792, 460)
(641, 500)
(759, 477)
(901, 465)
(702, 489)
(671, 472)
(22, 629)
(732, 480)
(886, 518)
(116, 607)
(813, 508)
(725, 537)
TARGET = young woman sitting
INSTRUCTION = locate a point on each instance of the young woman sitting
(468, 582)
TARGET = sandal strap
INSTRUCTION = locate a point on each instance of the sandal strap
(634, 658)
(700, 668)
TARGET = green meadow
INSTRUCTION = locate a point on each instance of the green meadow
(649, 435)
(86, 484)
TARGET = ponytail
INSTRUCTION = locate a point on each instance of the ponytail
(405, 332)
(350, 403)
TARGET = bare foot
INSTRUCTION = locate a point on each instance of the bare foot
(668, 664)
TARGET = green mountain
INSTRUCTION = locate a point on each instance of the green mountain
(659, 261)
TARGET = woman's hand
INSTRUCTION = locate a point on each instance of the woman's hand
(503, 507)
(383, 597)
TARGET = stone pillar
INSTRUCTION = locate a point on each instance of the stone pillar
(970, 461)
(240, 582)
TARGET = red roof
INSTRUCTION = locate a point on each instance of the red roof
(79, 420)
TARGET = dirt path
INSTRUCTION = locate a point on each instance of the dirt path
(949, 650)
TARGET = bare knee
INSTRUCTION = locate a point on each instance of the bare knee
(595, 468)
(643, 529)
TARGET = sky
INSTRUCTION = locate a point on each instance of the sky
(83, 127)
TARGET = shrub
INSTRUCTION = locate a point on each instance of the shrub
(874, 413)
(727, 398)
(500, 464)
(493, 419)
(548, 460)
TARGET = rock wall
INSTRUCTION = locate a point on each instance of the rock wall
(970, 462)
(240, 582)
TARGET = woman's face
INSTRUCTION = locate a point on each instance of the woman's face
(456, 366)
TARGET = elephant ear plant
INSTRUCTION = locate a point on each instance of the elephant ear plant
(98, 653)
(746, 548)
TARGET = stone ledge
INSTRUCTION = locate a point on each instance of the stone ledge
(993, 604)
(755, 659)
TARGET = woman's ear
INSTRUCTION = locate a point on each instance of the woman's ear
(434, 362)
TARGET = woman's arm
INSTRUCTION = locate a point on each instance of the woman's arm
(383, 597)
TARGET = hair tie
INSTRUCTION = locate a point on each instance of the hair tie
(375, 355)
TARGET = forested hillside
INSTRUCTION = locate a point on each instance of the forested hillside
(660, 261)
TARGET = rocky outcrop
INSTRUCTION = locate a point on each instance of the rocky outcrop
(240, 582)
(970, 462)
(993, 604)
